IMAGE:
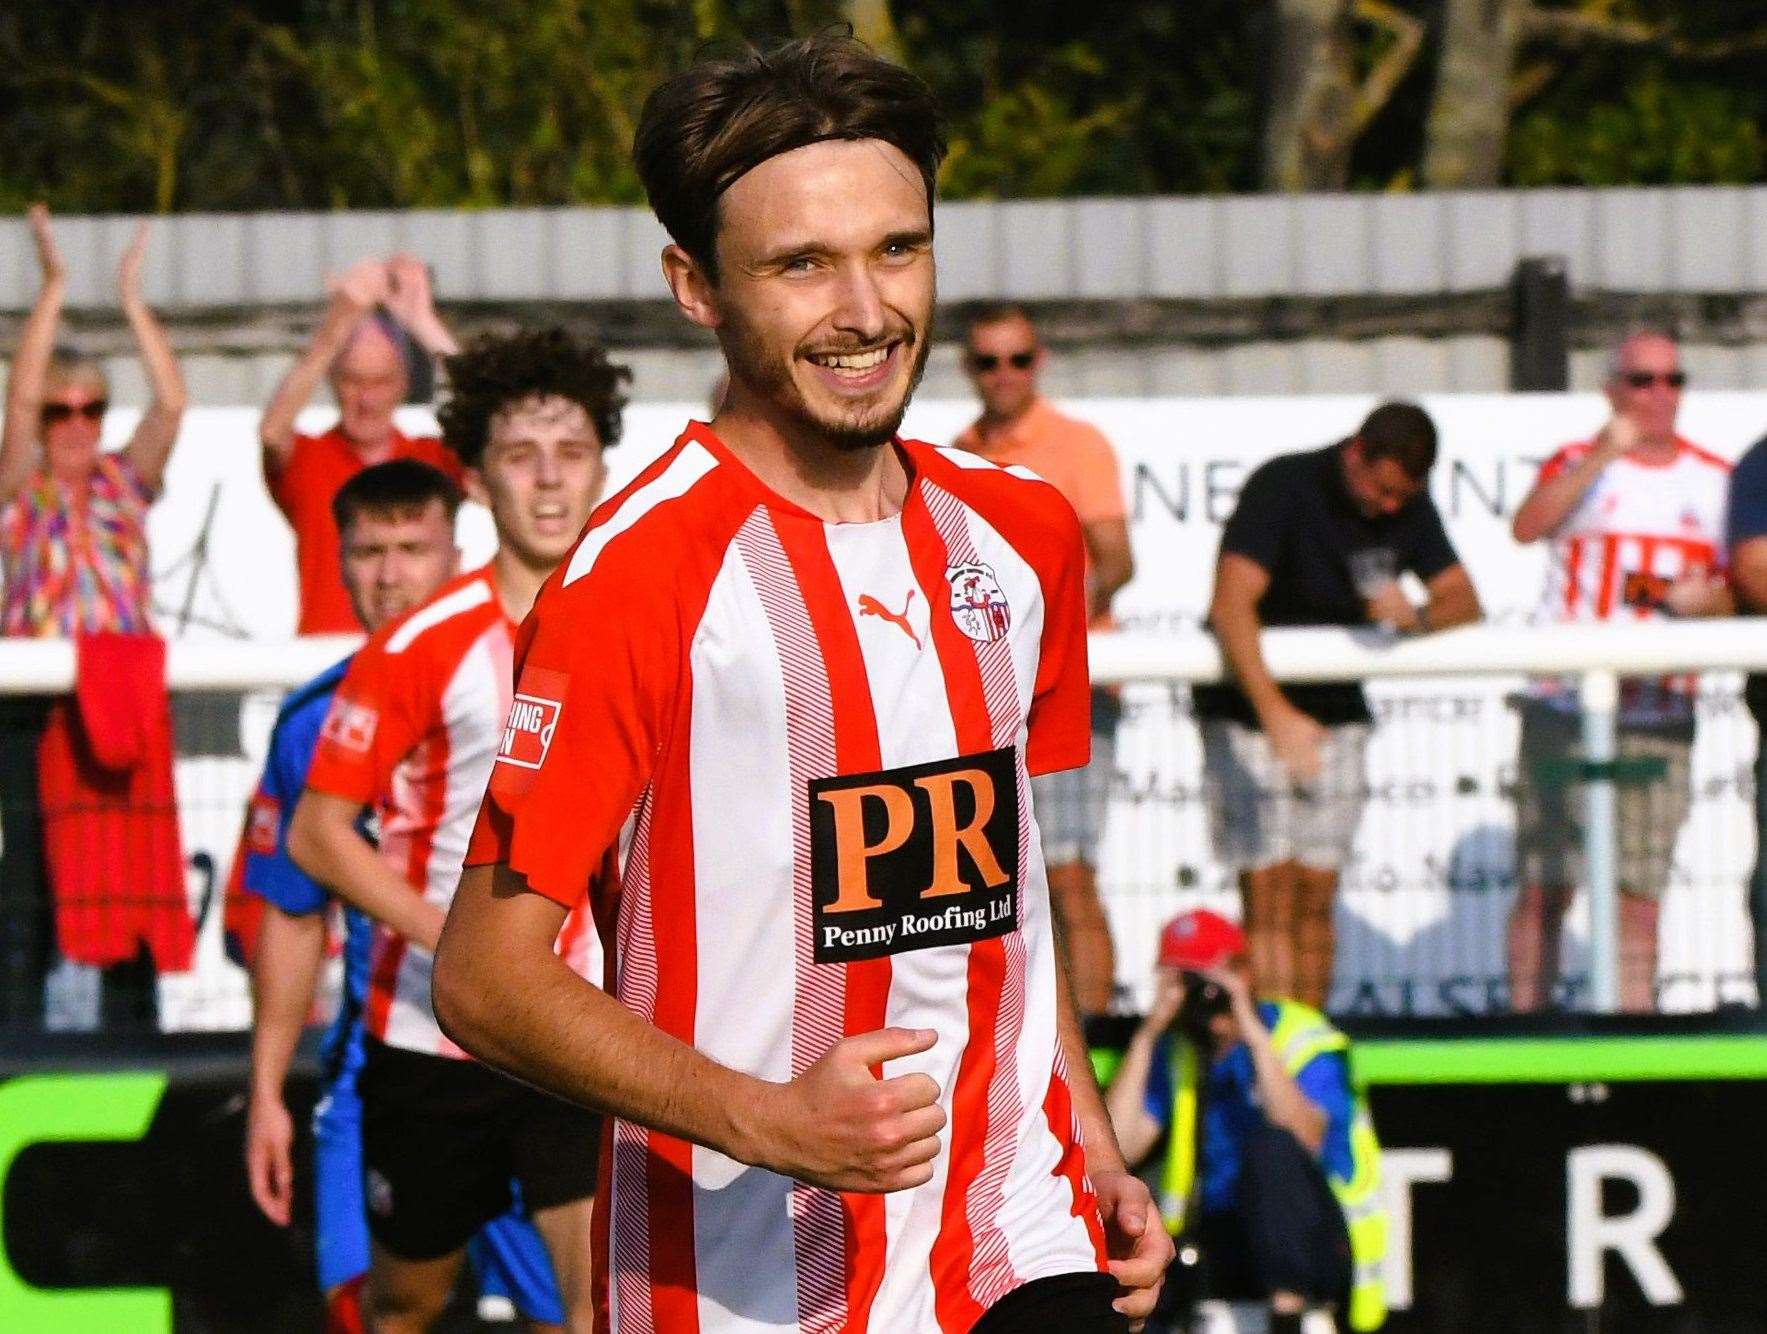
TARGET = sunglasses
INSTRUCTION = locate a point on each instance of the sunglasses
(987, 361)
(1645, 379)
(61, 412)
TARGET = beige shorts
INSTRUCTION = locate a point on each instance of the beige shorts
(1549, 809)
(1259, 816)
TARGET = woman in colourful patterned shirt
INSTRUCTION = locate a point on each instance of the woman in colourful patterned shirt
(73, 550)
(73, 520)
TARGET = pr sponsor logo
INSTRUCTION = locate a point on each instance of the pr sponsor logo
(910, 858)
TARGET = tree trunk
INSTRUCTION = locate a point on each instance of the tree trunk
(1469, 117)
(1311, 126)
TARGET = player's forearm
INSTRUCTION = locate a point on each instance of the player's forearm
(528, 1014)
(1102, 1152)
(323, 841)
(285, 973)
(276, 428)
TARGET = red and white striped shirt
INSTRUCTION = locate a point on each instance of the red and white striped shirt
(812, 743)
(1638, 529)
(414, 729)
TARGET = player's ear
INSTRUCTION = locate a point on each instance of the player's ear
(472, 482)
(693, 291)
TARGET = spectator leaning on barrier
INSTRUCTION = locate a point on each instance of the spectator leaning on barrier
(1271, 1164)
(1746, 527)
(1003, 358)
(73, 542)
(380, 327)
(1634, 519)
(1317, 538)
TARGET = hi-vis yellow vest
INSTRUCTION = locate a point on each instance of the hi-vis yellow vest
(1301, 1033)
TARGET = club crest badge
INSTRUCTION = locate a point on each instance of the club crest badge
(977, 604)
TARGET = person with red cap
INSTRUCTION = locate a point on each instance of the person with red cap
(1272, 1169)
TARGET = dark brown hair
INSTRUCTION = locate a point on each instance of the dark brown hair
(497, 371)
(1402, 432)
(708, 126)
(396, 487)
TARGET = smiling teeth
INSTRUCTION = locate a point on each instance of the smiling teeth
(853, 361)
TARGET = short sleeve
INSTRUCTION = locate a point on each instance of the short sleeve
(1098, 480)
(1157, 1100)
(1259, 522)
(377, 717)
(598, 665)
(1430, 550)
(270, 872)
(1059, 730)
(1746, 508)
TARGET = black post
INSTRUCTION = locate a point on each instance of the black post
(1539, 342)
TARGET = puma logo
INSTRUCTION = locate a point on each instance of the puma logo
(870, 606)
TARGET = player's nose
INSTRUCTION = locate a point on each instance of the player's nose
(861, 305)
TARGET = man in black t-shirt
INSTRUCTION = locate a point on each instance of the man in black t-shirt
(1318, 538)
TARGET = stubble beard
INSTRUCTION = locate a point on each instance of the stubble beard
(770, 378)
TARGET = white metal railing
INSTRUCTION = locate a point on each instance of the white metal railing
(1598, 656)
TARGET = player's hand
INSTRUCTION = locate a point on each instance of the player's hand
(1391, 607)
(1298, 742)
(839, 1126)
(364, 284)
(48, 252)
(129, 271)
(269, 1139)
(1135, 1240)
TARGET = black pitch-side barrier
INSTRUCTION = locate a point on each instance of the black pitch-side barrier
(1609, 1181)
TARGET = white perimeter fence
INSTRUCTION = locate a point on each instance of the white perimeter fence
(1424, 898)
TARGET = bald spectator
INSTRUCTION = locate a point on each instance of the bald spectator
(380, 323)
(1004, 358)
(1635, 527)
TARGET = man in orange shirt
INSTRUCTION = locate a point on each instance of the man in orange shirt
(380, 321)
(1003, 358)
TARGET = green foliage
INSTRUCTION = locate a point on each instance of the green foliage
(1657, 133)
(117, 105)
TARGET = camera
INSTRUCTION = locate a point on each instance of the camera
(1204, 1001)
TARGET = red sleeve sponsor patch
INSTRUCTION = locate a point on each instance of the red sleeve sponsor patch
(263, 823)
(533, 720)
(351, 725)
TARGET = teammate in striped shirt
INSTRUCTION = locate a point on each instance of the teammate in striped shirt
(1634, 519)
(396, 521)
(413, 731)
(849, 1089)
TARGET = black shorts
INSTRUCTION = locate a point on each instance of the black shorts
(1071, 1303)
(443, 1139)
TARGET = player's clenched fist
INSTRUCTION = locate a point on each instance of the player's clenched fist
(838, 1125)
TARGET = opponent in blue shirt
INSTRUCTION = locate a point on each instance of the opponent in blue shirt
(396, 521)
